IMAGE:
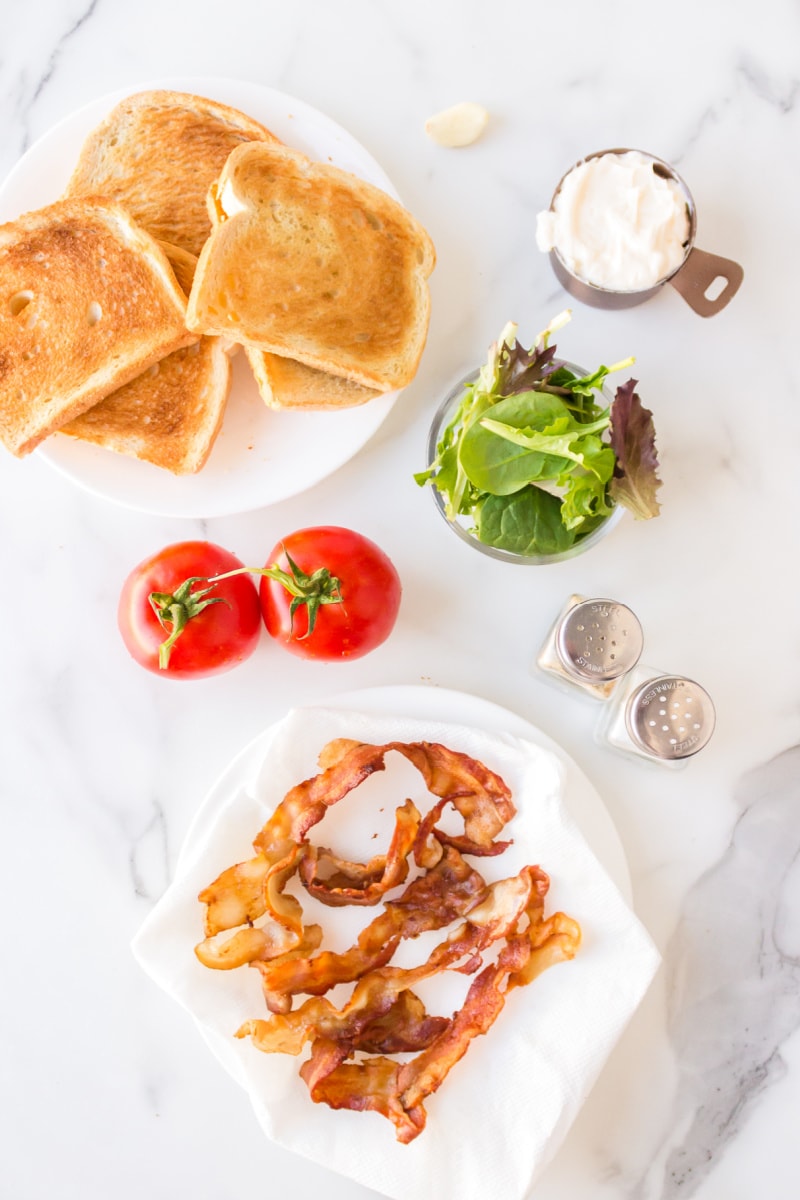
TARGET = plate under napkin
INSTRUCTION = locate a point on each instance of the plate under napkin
(504, 1109)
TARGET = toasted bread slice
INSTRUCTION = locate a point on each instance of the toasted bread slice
(183, 265)
(309, 262)
(170, 415)
(157, 153)
(88, 301)
(286, 383)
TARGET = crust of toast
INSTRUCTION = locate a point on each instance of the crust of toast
(286, 383)
(170, 415)
(88, 301)
(314, 265)
(157, 153)
(183, 265)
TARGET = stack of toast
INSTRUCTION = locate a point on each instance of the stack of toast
(188, 229)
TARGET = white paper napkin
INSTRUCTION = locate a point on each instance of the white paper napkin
(505, 1107)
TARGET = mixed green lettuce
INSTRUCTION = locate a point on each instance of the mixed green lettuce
(533, 458)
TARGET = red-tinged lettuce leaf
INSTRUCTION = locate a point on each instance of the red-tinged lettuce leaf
(635, 481)
(526, 368)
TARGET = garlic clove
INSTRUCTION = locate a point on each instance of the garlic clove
(460, 125)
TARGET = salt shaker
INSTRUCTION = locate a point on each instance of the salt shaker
(658, 716)
(592, 645)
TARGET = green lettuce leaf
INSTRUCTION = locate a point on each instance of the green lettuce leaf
(563, 437)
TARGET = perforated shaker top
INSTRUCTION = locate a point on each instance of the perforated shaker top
(599, 640)
(670, 717)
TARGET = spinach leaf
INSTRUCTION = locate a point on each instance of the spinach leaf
(499, 466)
(529, 522)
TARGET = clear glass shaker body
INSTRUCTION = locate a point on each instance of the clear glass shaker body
(662, 718)
(591, 646)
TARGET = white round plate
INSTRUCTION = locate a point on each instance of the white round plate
(440, 704)
(412, 702)
(261, 456)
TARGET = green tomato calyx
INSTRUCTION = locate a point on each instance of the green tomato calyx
(312, 590)
(177, 609)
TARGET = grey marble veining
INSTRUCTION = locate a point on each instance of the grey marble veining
(734, 993)
(49, 41)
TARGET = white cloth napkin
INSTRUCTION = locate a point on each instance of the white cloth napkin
(505, 1107)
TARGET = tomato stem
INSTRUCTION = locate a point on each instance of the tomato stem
(312, 590)
(177, 608)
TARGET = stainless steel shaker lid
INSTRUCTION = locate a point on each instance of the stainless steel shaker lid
(599, 640)
(670, 717)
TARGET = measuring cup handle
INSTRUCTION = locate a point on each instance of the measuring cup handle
(698, 273)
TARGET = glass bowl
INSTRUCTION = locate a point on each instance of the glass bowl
(461, 525)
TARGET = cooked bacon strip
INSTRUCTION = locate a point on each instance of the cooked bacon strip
(368, 1085)
(402, 1097)
(552, 941)
(377, 1021)
(260, 894)
(256, 943)
(383, 1015)
(430, 840)
(362, 883)
(497, 915)
(250, 890)
(431, 901)
(480, 795)
(404, 1028)
(306, 803)
(424, 1075)
(524, 956)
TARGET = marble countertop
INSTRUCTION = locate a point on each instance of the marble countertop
(106, 1086)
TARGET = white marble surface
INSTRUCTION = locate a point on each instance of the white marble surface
(106, 1088)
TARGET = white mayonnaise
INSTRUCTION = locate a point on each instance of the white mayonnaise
(616, 224)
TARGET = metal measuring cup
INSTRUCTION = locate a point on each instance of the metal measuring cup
(692, 279)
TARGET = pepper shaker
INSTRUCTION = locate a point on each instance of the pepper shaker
(661, 717)
(591, 646)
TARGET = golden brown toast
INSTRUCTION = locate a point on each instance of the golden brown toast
(183, 265)
(308, 262)
(170, 415)
(157, 153)
(88, 301)
(286, 383)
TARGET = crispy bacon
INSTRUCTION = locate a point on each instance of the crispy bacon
(368, 1085)
(378, 1020)
(254, 889)
(362, 883)
(404, 1028)
(255, 944)
(401, 1094)
(481, 796)
(431, 901)
(497, 915)
(349, 1064)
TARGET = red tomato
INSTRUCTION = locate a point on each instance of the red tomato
(217, 638)
(368, 586)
